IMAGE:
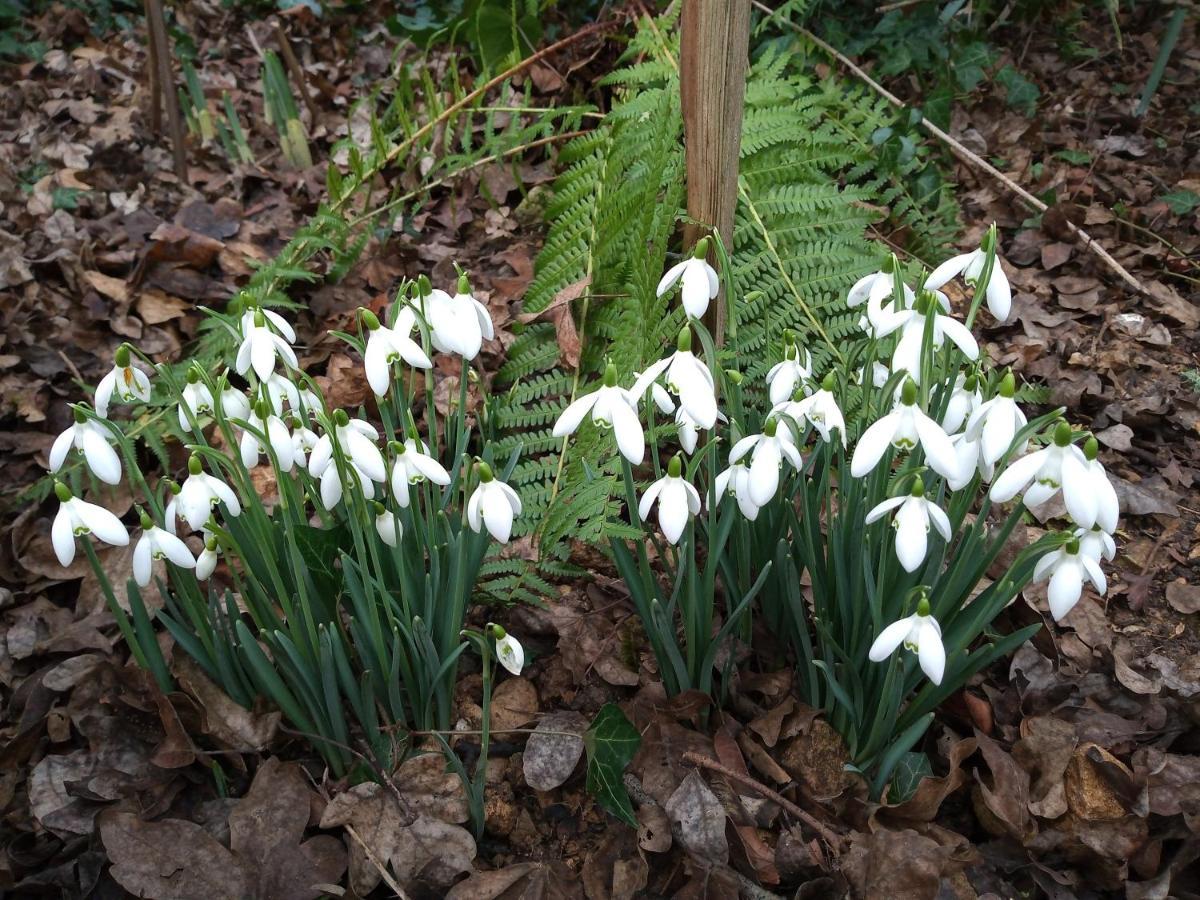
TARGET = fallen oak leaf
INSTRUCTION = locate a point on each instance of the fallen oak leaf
(553, 751)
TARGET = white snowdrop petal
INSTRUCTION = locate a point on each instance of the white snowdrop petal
(889, 639)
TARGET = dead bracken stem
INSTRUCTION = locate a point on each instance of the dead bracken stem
(962, 152)
(833, 840)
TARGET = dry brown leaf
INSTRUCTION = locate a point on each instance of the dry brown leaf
(549, 759)
(514, 704)
(698, 819)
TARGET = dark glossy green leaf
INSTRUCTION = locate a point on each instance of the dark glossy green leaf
(611, 741)
(913, 766)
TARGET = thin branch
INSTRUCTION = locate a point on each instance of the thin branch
(293, 64)
(166, 81)
(960, 151)
(833, 840)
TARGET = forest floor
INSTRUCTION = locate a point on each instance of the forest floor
(1073, 770)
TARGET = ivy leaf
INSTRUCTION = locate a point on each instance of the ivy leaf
(913, 766)
(611, 741)
(1020, 93)
(1181, 202)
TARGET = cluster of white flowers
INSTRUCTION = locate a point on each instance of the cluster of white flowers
(279, 418)
(974, 434)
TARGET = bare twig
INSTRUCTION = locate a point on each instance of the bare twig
(833, 840)
(293, 64)
(166, 82)
(379, 866)
(962, 152)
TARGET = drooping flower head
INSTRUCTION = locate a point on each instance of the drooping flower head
(1043, 473)
(124, 381)
(509, 651)
(789, 374)
(611, 406)
(688, 378)
(412, 465)
(911, 323)
(493, 504)
(913, 516)
(995, 422)
(767, 453)
(76, 518)
(1067, 567)
(261, 345)
(677, 501)
(200, 493)
(154, 544)
(971, 265)
(92, 440)
(904, 428)
(386, 346)
(921, 634)
(700, 282)
(458, 324)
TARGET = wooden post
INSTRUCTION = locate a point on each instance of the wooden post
(160, 56)
(715, 43)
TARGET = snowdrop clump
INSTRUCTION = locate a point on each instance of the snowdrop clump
(351, 540)
(861, 516)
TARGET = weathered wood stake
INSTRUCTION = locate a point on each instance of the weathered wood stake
(160, 58)
(715, 43)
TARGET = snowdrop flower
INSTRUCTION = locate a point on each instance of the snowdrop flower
(234, 404)
(304, 441)
(913, 515)
(904, 428)
(260, 345)
(387, 526)
(880, 374)
(770, 449)
(872, 290)
(964, 400)
(911, 322)
(412, 466)
(197, 399)
(76, 518)
(265, 422)
(687, 378)
(509, 652)
(786, 376)
(280, 388)
(970, 266)
(200, 493)
(821, 410)
(127, 383)
(677, 500)
(700, 283)
(689, 431)
(333, 481)
(1043, 473)
(356, 439)
(458, 324)
(1096, 543)
(387, 345)
(920, 633)
(158, 543)
(610, 407)
(1107, 507)
(171, 513)
(1066, 568)
(970, 462)
(995, 422)
(494, 504)
(92, 440)
(736, 481)
(206, 562)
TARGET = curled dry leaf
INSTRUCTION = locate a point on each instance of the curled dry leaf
(409, 839)
(1003, 806)
(223, 719)
(698, 819)
(899, 865)
(550, 757)
(523, 881)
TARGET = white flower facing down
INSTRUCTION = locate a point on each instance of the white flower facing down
(920, 633)
(200, 493)
(92, 440)
(964, 400)
(911, 322)
(1107, 505)
(386, 346)
(873, 290)
(458, 324)
(387, 526)
(154, 544)
(789, 374)
(612, 407)
(913, 516)
(700, 282)
(687, 378)
(206, 562)
(76, 518)
(1067, 567)
(819, 409)
(768, 451)
(278, 437)
(509, 652)
(677, 501)
(412, 465)
(904, 428)
(260, 345)
(197, 399)
(970, 266)
(995, 422)
(1096, 543)
(736, 481)
(493, 504)
(125, 382)
(1043, 473)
